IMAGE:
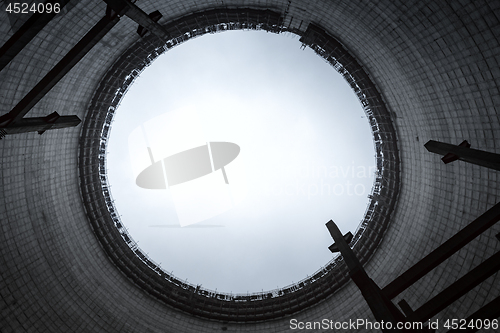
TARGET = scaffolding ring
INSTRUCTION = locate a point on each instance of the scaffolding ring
(143, 271)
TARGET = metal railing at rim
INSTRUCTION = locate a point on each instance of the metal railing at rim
(146, 273)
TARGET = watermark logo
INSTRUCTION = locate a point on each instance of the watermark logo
(311, 180)
(169, 152)
(188, 165)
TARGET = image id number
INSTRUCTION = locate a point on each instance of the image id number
(25, 8)
(462, 324)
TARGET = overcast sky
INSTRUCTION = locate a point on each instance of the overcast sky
(306, 156)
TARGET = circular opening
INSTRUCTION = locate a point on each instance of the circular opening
(229, 154)
(148, 275)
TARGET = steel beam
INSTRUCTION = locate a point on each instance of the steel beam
(457, 289)
(41, 124)
(140, 17)
(60, 69)
(474, 156)
(382, 308)
(341, 244)
(26, 33)
(443, 252)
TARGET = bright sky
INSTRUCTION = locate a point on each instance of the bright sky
(306, 156)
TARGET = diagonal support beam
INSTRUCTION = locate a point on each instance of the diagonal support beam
(457, 289)
(474, 156)
(61, 69)
(382, 308)
(26, 33)
(341, 245)
(41, 124)
(443, 252)
(140, 17)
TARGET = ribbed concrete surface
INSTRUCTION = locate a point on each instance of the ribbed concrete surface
(437, 66)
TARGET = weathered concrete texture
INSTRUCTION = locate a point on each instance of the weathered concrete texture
(437, 66)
